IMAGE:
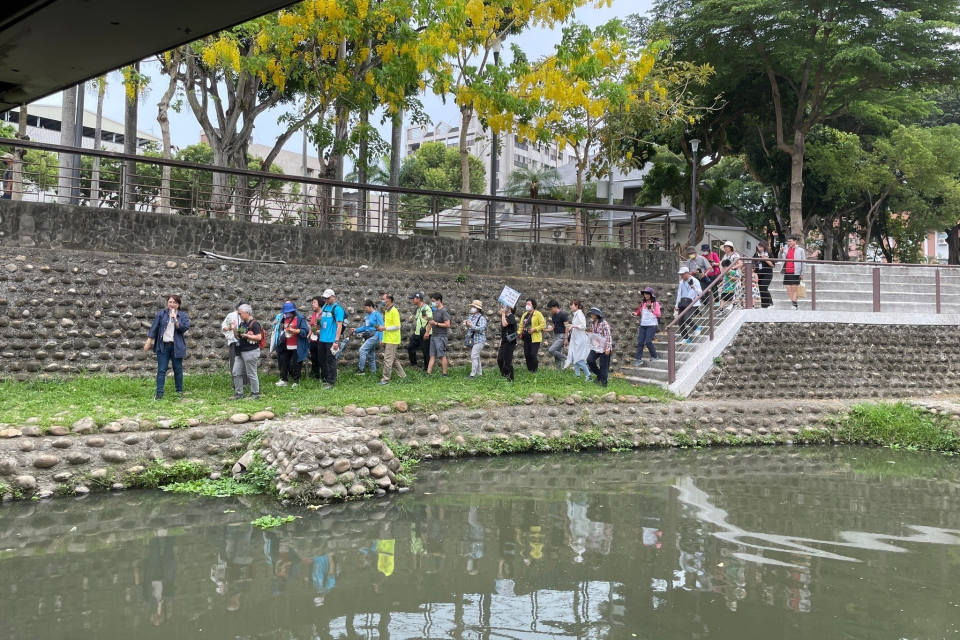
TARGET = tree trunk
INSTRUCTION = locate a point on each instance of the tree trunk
(97, 142)
(335, 165)
(396, 151)
(220, 191)
(19, 154)
(130, 114)
(67, 138)
(163, 110)
(363, 176)
(796, 185)
(466, 115)
(953, 245)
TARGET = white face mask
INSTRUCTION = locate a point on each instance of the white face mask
(473, 311)
(529, 308)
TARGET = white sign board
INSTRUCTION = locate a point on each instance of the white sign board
(509, 297)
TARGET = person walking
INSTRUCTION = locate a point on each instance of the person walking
(688, 293)
(763, 267)
(332, 316)
(166, 339)
(419, 342)
(601, 346)
(228, 334)
(316, 304)
(577, 341)
(391, 339)
(558, 328)
(292, 344)
(730, 253)
(698, 265)
(649, 314)
(371, 335)
(249, 333)
(508, 342)
(476, 326)
(532, 325)
(438, 333)
(714, 260)
(792, 269)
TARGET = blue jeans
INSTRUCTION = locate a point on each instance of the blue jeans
(164, 358)
(369, 350)
(645, 339)
(578, 365)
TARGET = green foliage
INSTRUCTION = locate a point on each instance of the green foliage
(898, 424)
(157, 474)
(462, 276)
(6, 489)
(435, 167)
(272, 522)
(527, 182)
(220, 488)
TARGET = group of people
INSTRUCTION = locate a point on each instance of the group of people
(581, 339)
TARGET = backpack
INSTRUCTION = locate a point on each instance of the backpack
(346, 314)
(263, 336)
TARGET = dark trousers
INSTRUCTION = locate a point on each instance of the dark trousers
(645, 339)
(599, 365)
(531, 354)
(684, 324)
(289, 365)
(234, 351)
(419, 344)
(164, 360)
(328, 363)
(315, 360)
(764, 278)
(505, 358)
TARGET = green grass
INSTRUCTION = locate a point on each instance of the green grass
(109, 398)
(220, 488)
(899, 425)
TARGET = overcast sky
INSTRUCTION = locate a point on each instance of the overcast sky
(186, 131)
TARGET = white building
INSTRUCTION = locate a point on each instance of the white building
(44, 121)
(513, 153)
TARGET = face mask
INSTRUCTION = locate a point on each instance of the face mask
(473, 311)
(433, 305)
(529, 308)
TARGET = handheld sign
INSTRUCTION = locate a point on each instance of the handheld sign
(509, 297)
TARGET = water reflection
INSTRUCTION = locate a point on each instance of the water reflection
(649, 545)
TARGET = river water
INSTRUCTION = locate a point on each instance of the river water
(774, 543)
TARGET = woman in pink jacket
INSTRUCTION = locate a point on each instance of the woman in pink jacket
(649, 314)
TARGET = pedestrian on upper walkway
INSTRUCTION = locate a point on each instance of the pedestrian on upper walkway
(764, 270)
(698, 265)
(711, 257)
(649, 314)
(688, 295)
(601, 346)
(166, 339)
(792, 269)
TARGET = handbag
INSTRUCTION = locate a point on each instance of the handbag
(468, 341)
(512, 337)
(802, 290)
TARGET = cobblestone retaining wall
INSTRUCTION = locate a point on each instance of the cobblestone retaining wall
(63, 312)
(800, 360)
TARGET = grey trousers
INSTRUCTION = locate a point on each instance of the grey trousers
(476, 369)
(556, 350)
(246, 363)
(234, 350)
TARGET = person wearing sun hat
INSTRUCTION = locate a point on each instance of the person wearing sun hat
(649, 314)
(601, 346)
(292, 344)
(476, 325)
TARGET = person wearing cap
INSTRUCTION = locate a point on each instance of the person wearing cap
(559, 331)
(331, 330)
(649, 314)
(371, 335)
(697, 264)
(688, 293)
(792, 270)
(476, 326)
(601, 346)
(391, 339)
(714, 260)
(233, 320)
(7, 192)
(292, 344)
(420, 339)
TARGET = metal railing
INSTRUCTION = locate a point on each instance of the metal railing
(69, 175)
(931, 288)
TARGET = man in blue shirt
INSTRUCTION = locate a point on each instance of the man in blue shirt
(331, 328)
(370, 336)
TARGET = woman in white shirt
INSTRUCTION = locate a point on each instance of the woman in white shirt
(577, 342)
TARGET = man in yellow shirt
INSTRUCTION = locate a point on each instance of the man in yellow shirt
(532, 325)
(391, 339)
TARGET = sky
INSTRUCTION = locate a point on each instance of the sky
(185, 130)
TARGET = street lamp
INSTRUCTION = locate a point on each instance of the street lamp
(494, 162)
(694, 146)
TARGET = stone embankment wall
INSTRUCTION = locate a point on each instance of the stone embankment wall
(800, 360)
(60, 227)
(65, 312)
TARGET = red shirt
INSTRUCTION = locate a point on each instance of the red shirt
(291, 325)
(790, 266)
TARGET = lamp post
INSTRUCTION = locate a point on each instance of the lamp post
(494, 162)
(694, 146)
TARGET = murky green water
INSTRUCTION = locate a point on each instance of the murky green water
(774, 544)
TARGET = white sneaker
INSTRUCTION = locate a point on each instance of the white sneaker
(281, 383)
(295, 385)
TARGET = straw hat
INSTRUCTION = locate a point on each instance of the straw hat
(477, 304)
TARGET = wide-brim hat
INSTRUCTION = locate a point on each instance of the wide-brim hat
(653, 294)
(289, 307)
(596, 311)
(8, 156)
(477, 304)
(729, 244)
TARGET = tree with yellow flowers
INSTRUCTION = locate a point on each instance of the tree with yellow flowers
(463, 34)
(596, 95)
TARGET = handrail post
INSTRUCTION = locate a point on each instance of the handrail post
(813, 287)
(489, 220)
(937, 277)
(876, 289)
(633, 231)
(748, 284)
(710, 302)
(672, 354)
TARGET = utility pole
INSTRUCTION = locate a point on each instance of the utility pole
(694, 146)
(494, 163)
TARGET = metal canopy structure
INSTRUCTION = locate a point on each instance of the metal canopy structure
(48, 45)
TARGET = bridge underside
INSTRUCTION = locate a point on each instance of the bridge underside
(48, 45)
